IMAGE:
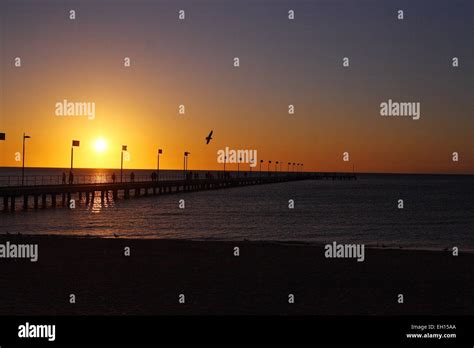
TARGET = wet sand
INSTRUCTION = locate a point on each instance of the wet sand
(215, 282)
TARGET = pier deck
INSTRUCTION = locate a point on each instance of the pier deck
(37, 196)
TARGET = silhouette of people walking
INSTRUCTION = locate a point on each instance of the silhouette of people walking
(132, 177)
(71, 178)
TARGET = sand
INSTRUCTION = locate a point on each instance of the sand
(215, 282)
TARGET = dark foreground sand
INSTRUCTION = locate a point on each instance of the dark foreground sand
(216, 282)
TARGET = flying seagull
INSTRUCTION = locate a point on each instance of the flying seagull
(209, 137)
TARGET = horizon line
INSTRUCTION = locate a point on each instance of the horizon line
(230, 170)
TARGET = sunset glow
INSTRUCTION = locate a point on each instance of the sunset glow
(336, 109)
(100, 145)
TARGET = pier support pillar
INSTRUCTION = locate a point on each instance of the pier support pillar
(115, 194)
(5, 203)
(53, 200)
(12, 203)
(35, 200)
(126, 194)
(25, 202)
(43, 201)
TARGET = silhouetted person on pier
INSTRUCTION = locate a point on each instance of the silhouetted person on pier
(64, 178)
(113, 178)
(71, 178)
(132, 177)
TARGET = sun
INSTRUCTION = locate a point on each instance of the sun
(100, 145)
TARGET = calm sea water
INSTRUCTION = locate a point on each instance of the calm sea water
(438, 213)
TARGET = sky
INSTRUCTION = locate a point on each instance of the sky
(282, 62)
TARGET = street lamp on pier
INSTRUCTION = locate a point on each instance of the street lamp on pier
(186, 154)
(124, 148)
(160, 151)
(23, 159)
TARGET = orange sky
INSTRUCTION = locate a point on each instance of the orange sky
(148, 119)
(337, 110)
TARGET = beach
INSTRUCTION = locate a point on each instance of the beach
(215, 282)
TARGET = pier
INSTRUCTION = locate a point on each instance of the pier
(51, 196)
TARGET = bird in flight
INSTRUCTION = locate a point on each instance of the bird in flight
(209, 137)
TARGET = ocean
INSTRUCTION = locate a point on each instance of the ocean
(438, 212)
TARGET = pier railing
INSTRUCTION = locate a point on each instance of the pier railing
(48, 180)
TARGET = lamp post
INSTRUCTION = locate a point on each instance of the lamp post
(160, 151)
(186, 153)
(75, 143)
(23, 159)
(124, 148)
